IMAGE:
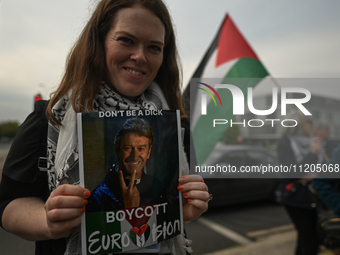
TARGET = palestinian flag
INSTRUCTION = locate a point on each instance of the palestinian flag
(229, 58)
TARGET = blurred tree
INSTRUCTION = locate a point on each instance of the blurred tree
(9, 129)
(231, 135)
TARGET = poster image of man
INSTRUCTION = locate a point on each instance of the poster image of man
(126, 185)
(130, 161)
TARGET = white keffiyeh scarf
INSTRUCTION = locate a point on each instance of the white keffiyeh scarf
(62, 149)
(301, 147)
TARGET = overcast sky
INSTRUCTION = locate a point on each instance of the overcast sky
(292, 38)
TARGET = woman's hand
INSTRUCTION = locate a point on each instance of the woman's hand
(130, 194)
(315, 145)
(64, 208)
(195, 194)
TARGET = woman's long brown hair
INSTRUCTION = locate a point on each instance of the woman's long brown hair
(85, 65)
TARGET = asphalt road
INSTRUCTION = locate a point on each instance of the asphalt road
(236, 225)
(217, 229)
(13, 245)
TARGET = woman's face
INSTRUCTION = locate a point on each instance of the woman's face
(134, 50)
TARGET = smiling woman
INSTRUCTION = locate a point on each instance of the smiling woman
(128, 44)
(125, 59)
(134, 50)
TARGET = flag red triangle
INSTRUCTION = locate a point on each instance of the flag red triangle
(231, 44)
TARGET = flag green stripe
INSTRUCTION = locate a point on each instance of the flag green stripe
(247, 68)
(205, 135)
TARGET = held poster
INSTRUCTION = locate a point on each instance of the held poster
(129, 160)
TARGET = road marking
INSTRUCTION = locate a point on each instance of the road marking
(270, 231)
(228, 233)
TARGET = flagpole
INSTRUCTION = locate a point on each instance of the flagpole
(275, 82)
(273, 79)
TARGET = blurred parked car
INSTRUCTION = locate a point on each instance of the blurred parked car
(233, 188)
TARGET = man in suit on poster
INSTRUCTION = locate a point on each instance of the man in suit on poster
(126, 185)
